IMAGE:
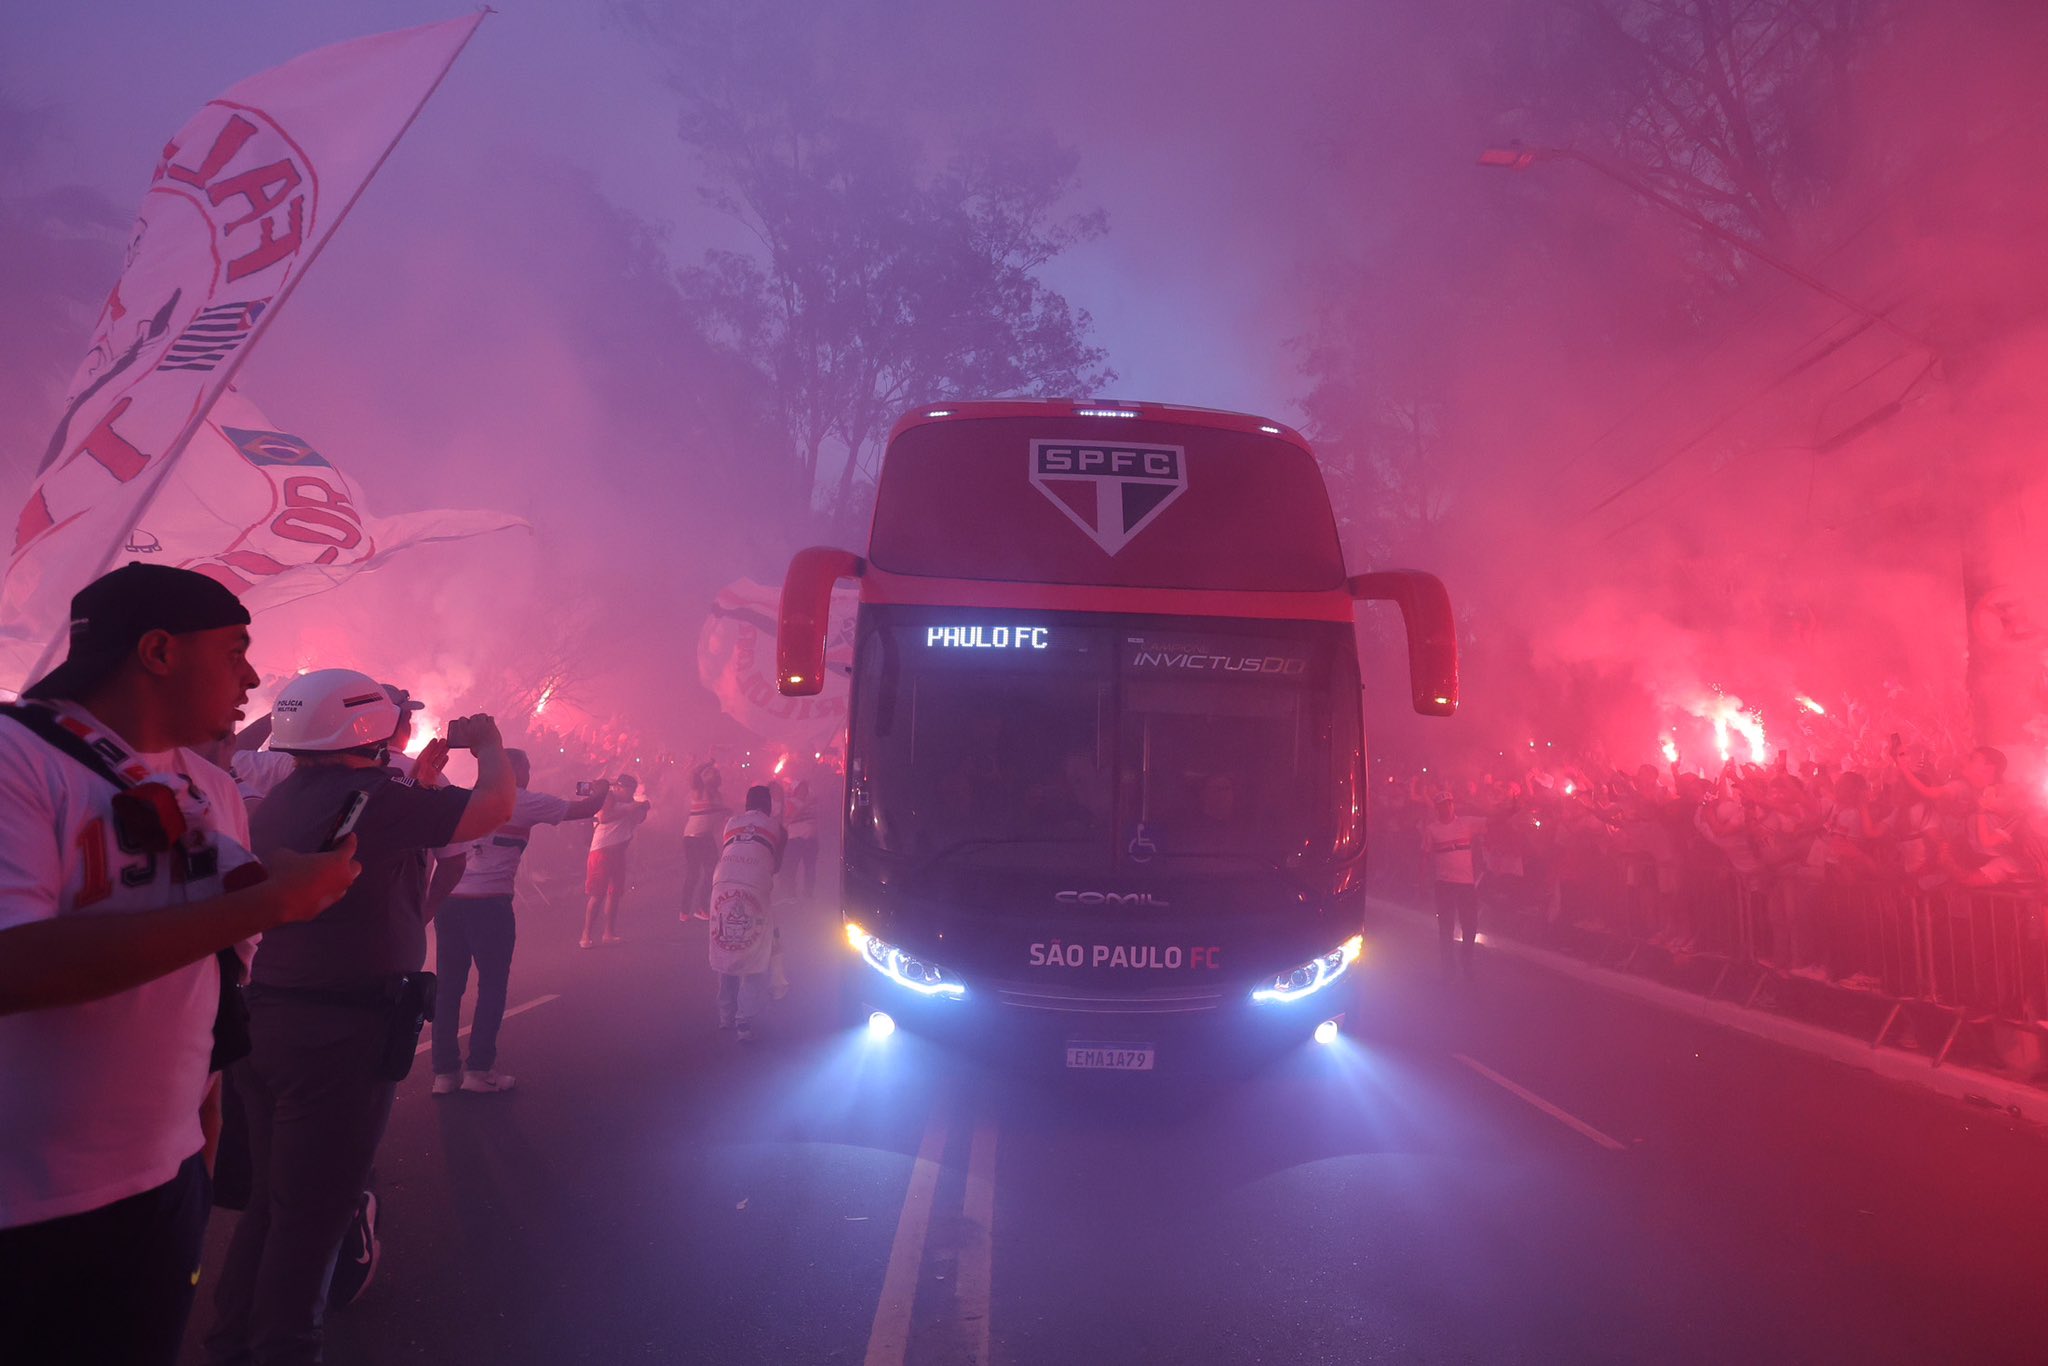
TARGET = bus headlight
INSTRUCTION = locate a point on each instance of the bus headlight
(1312, 976)
(905, 970)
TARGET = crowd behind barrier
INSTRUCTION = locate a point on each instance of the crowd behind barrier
(1902, 901)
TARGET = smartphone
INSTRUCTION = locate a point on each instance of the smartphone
(1897, 744)
(583, 789)
(345, 820)
(459, 734)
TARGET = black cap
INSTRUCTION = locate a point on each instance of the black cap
(116, 610)
(405, 700)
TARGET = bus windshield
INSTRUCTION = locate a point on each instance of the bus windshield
(1083, 744)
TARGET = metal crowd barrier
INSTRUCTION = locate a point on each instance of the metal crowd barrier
(1949, 958)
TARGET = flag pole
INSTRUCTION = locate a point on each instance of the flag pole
(176, 449)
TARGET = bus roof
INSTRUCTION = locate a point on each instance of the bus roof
(1099, 494)
(1112, 409)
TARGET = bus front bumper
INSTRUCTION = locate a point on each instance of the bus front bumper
(1080, 1032)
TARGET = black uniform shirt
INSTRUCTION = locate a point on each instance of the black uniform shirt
(378, 930)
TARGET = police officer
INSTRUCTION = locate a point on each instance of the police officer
(335, 1012)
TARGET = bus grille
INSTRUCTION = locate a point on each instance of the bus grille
(1166, 1001)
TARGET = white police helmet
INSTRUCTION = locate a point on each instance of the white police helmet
(332, 709)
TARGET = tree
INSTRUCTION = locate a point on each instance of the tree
(876, 280)
(1734, 109)
(1553, 346)
(1382, 446)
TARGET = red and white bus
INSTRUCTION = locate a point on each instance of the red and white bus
(1105, 753)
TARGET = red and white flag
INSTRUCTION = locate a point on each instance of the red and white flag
(241, 202)
(736, 661)
(270, 516)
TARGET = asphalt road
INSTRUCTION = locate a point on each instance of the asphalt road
(1525, 1169)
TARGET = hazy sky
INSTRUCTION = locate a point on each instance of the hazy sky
(1191, 133)
(1548, 336)
(438, 349)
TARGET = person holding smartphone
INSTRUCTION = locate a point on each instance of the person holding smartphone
(127, 903)
(702, 830)
(335, 1004)
(604, 880)
(1993, 817)
(475, 925)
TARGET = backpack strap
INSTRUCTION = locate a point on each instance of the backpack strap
(43, 722)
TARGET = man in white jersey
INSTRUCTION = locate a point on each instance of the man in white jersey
(604, 881)
(742, 939)
(117, 849)
(702, 830)
(257, 770)
(1452, 842)
(800, 819)
(475, 925)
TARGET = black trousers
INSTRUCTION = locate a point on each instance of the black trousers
(700, 860)
(480, 930)
(109, 1287)
(316, 1108)
(802, 859)
(1457, 908)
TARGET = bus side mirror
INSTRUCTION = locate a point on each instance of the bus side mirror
(800, 621)
(1432, 633)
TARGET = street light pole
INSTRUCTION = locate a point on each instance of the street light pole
(1517, 157)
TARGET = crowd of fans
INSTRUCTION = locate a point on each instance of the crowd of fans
(150, 1039)
(236, 1033)
(1668, 855)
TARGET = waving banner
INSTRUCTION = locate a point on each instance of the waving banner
(241, 201)
(271, 517)
(736, 661)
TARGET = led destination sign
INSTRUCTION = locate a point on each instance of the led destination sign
(1217, 656)
(988, 637)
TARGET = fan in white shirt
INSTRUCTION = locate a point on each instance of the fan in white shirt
(116, 846)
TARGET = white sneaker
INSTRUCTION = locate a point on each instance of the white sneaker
(445, 1083)
(486, 1082)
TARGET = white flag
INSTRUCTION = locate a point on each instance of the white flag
(241, 201)
(736, 661)
(272, 517)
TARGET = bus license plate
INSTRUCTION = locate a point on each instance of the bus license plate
(1114, 1057)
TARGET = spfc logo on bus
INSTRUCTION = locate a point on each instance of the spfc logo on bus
(1112, 492)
